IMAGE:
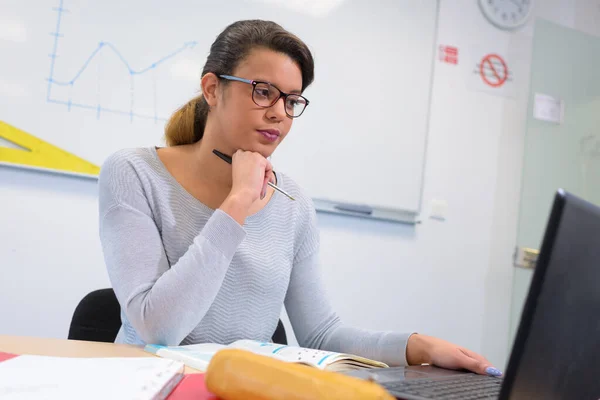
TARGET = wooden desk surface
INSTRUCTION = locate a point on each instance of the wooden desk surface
(71, 348)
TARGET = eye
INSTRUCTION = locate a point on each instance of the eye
(262, 92)
(293, 102)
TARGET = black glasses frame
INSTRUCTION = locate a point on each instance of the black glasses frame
(281, 93)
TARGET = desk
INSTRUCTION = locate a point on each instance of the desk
(72, 348)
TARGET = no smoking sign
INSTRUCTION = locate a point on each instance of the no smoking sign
(492, 74)
(493, 70)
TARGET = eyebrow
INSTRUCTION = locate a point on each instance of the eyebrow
(295, 91)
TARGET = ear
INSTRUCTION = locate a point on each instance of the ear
(210, 84)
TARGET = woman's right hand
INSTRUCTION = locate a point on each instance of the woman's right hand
(250, 173)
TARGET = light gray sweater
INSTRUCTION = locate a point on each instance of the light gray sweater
(184, 273)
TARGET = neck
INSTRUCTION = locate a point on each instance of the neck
(214, 170)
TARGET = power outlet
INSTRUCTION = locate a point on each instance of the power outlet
(439, 209)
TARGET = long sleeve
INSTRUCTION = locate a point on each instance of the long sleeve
(315, 323)
(163, 302)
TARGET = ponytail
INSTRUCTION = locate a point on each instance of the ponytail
(186, 125)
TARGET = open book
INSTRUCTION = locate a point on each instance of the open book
(199, 355)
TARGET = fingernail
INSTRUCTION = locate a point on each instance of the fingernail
(493, 371)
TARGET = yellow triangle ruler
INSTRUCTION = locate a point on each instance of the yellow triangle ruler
(38, 154)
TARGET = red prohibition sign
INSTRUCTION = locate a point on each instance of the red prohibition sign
(499, 76)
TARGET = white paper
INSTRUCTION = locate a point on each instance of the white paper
(548, 108)
(40, 377)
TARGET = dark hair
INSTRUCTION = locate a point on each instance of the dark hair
(186, 125)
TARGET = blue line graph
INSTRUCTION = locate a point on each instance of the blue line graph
(56, 35)
(96, 53)
(131, 70)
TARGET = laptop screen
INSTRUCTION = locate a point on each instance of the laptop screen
(556, 354)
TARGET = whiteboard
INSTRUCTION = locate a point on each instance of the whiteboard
(92, 77)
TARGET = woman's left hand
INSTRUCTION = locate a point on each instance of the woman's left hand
(423, 349)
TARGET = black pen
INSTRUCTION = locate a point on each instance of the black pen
(229, 160)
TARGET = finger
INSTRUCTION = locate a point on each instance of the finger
(263, 193)
(272, 177)
(471, 363)
(488, 368)
(268, 167)
(236, 154)
(479, 366)
(476, 356)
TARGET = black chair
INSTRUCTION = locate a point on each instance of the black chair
(279, 335)
(97, 318)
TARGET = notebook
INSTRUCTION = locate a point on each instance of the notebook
(7, 356)
(43, 377)
(192, 387)
(199, 355)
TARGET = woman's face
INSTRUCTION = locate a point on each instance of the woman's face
(241, 122)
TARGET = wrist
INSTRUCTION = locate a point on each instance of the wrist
(237, 206)
(417, 350)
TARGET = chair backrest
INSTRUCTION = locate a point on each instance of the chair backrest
(97, 318)
(279, 335)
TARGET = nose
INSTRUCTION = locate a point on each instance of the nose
(277, 111)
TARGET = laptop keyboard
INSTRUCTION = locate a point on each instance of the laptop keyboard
(468, 387)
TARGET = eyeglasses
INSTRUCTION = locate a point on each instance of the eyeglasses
(265, 94)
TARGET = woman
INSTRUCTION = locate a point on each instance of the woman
(199, 250)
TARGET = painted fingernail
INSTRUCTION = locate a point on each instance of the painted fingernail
(493, 371)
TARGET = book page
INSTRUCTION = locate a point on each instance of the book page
(200, 350)
(197, 356)
(316, 358)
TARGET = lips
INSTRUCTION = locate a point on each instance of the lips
(269, 134)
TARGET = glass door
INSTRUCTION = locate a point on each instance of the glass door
(562, 142)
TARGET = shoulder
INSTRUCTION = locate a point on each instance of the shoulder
(127, 159)
(125, 172)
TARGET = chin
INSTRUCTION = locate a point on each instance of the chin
(266, 149)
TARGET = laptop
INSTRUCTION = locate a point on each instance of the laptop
(556, 352)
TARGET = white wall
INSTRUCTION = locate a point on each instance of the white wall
(453, 278)
(48, 223)
(449, 278)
